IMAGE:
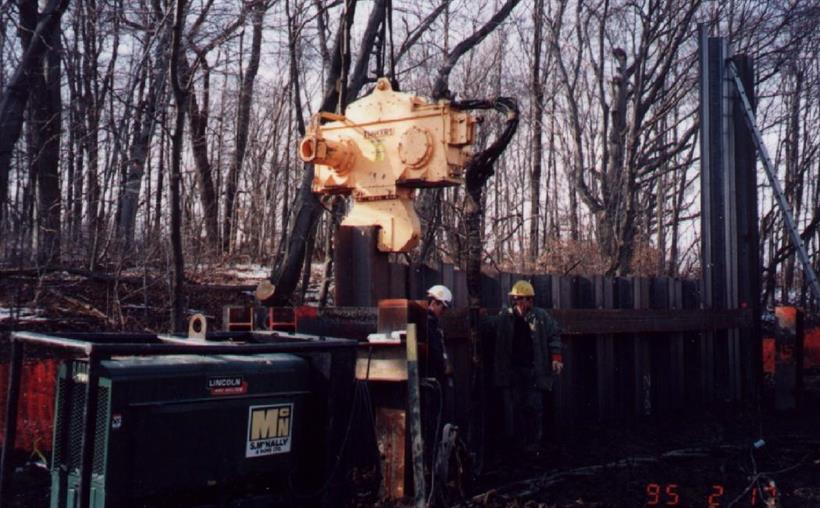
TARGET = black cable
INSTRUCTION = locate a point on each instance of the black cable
(357, 399)
(368, 406)
(335, 469)
(389, 15)
(436, 386)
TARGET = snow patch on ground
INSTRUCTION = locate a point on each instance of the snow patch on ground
(22, 314)
(253, 271)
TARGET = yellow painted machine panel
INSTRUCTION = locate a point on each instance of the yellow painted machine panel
(387, 144)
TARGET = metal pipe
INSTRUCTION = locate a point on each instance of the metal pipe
(89, 428)
(10, 427)
(136, 349)
(115, 337)
(339, 155)
(53, 341)
(173, 349)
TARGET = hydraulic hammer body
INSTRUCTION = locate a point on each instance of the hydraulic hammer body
(385, 146)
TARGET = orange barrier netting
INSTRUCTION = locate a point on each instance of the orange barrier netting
(36, 409)
(811, 351)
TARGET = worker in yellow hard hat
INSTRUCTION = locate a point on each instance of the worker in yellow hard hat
(527, 357)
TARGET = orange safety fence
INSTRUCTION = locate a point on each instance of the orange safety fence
(35, 412)
(811, 351)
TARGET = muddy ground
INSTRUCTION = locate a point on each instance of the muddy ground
(702, 460)
(688, 460)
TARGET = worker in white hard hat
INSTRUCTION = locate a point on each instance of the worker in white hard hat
(439, 299)
(438, 410)
(527, 357)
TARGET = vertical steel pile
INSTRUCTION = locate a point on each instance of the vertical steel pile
(729, 224)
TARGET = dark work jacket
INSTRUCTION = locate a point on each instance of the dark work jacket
(437, 358)
(546, 343)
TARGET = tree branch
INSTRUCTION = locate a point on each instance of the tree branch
(440, 88)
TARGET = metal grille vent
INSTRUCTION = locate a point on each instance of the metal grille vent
(75, 431)
(101, 429)
(59, 445)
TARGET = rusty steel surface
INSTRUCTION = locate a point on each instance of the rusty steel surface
(396, 314)
(367, 314)
(281, 318)
(381, 362)
(363, 273)
(237, 318)
(390, 437)
(346, 322)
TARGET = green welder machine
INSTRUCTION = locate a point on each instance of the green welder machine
(201, 431)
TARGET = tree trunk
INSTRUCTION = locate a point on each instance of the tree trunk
(48, 113)
(90, 103)
(677, 204)
(306, 270)
(615, 171)
(198, 120)
(478, 171)
(44, 113)
(163, 145)
(242, 121)
(15, 96)
(141, 144)
(77, 134)
(793, 187)
(180, 92)
(286, 277)
(337, 212)
(359, 76)
(537, 130)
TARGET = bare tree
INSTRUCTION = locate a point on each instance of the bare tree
(15, 96)
(145, 124)
(199, 115)
(242, 121)
(45, 110)
(536, 118)
(639, 99)
(181, 101)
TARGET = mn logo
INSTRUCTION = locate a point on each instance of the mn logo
(269, 429)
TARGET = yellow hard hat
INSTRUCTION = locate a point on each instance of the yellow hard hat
(522, 288)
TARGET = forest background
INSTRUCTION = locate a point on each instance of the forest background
(158, 136)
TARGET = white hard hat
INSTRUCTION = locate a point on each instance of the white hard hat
(441, 293)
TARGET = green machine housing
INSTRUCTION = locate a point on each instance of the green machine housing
(188, 431)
